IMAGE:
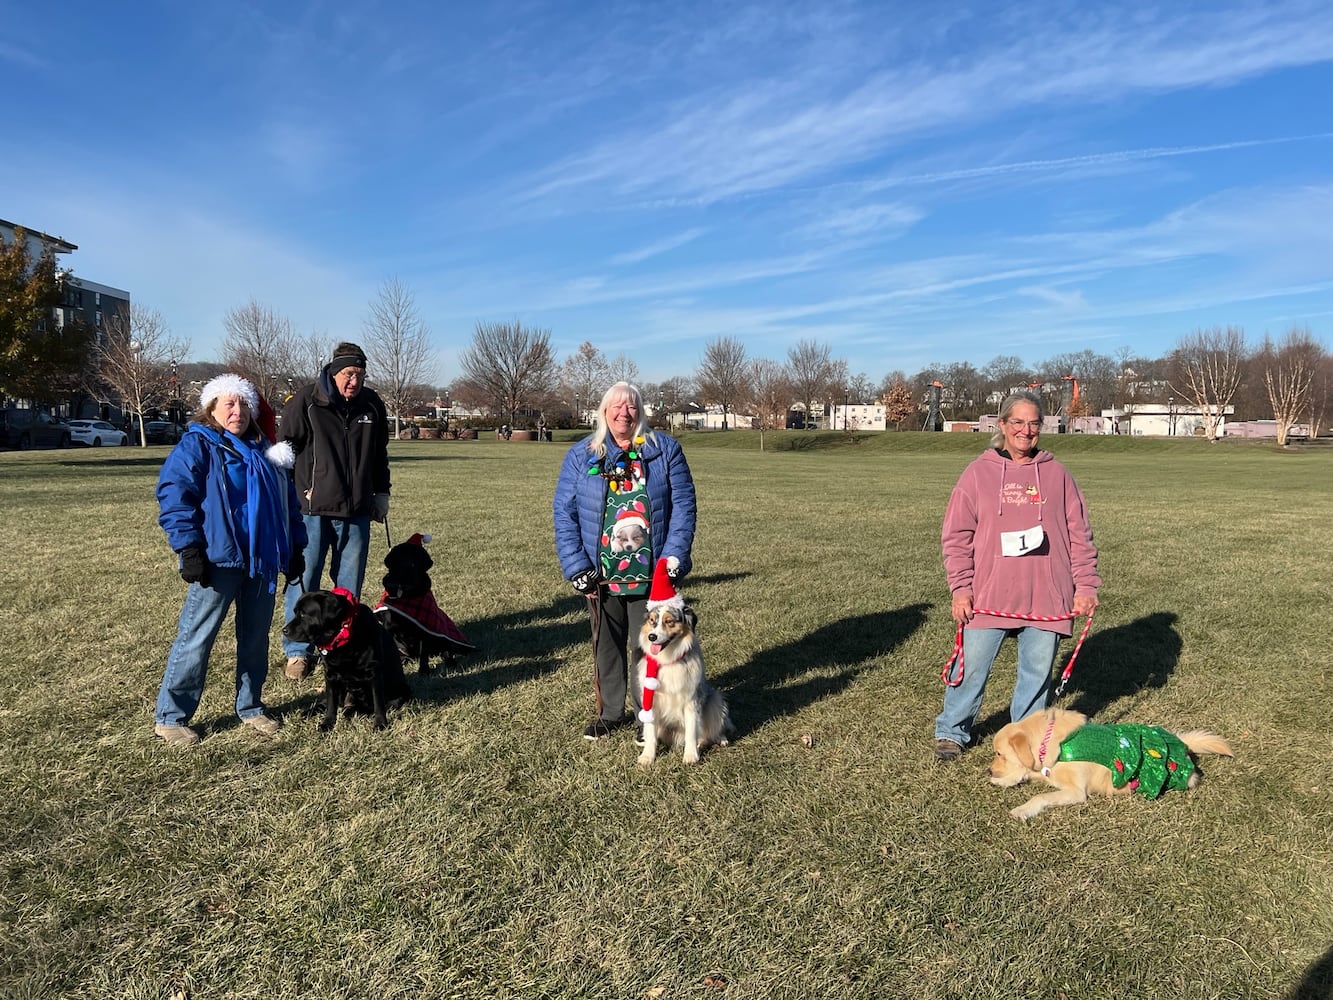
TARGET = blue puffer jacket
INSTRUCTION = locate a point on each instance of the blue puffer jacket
(580, 504)
(195, 505)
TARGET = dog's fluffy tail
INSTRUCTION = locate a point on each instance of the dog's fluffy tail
(1202, 741)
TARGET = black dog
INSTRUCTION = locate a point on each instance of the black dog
(362, 667)
(409, 611)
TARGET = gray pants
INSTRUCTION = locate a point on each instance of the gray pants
(621, 619)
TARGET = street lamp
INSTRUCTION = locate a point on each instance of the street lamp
(1171, 416)
(578, 416)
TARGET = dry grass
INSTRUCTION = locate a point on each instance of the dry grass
(480, 848)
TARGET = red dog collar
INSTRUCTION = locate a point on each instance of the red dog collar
(344, 633)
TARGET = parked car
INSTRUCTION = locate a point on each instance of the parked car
(20, 428)
(96, 433)
(163, 432)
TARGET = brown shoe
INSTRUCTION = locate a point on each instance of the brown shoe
(264, 724)
(176, 736)
(947, 750)
(297, 669)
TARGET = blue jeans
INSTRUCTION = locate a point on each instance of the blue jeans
(346, 543)
(1032, 689)
(201, 619)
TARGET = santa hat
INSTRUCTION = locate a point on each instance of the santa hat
(631, 516)
(419, 539)
(663, 592)
(230, 385)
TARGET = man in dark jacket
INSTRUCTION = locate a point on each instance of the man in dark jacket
(339, 431)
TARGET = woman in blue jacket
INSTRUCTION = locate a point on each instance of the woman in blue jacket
(231, 514)
(624, 499)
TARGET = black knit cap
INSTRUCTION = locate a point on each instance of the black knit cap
(346, 355)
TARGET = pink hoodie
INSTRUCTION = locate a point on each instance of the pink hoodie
(994, 495)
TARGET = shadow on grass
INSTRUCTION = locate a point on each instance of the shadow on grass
(1113, 663)
(784, 679)
(1317, 983)
(1122, 661)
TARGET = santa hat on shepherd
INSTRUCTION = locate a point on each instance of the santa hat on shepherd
(663, 592)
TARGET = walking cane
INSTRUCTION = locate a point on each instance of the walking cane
(594, 599)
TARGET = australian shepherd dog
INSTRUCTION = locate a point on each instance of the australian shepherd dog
(687, 713)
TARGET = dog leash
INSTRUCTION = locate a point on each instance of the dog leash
(957, 657)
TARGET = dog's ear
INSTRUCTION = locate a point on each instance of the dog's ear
(341, 606)
(1012, 742)
(689, 617)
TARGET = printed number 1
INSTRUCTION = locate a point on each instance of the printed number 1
(1022, 543)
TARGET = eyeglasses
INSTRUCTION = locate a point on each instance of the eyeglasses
(1032, 425)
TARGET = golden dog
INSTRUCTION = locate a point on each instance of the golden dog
(687, 712)
(1030, 749)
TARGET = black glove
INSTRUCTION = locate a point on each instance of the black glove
(194, 567)
(295, 567)
(586, 581)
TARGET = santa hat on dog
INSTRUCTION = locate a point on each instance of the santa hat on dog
(662, 595)
(419, 539)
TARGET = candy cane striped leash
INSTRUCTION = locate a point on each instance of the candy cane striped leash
(957, 656)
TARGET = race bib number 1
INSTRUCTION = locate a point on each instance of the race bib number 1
(1020, 543)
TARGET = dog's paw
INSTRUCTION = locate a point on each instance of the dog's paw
(690, 757)
(646, 759)
(325, 725)
(1024, 812)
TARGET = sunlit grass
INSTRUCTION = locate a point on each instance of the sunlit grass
(480, 848)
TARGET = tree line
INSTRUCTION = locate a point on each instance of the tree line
(511, 372)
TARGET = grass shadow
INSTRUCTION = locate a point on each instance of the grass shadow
(784, 679)
(1123, 661)
(1317, 983)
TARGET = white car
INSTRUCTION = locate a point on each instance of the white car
(96, 433)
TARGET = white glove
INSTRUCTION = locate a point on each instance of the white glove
(379, 507)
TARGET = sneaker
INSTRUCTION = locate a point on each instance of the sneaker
(947, 750)
(598, 729)
(176, 736)
(297, 669)
(263, 723)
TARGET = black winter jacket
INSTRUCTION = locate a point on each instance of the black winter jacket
(341, 446)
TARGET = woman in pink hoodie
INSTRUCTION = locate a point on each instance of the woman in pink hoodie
(1016, 538)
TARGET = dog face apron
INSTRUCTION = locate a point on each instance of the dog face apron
(626, 548)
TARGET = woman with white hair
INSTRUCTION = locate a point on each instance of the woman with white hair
(231, 515)
(623, 500)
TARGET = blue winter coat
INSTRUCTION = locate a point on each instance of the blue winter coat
(580, 504)
(195, 506)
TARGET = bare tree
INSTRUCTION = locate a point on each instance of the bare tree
(623, 369)
(261, 345)
(1289, 371)
(585, 375)
(770, 395)
(313, 352)
(722, 374)
(510, 363)
(137, 360)
(1206, 371)
(399, 349)
(810, 367)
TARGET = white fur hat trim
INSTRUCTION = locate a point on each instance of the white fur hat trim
(650, 683)
(282, 455)
(230, 385)
(645, 715)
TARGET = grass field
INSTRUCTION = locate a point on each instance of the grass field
(480, 848)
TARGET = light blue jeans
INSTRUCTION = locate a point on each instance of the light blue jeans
(1032, 689)
(201, 619)
(346, 542)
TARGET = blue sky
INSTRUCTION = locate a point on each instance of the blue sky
(911, 183)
